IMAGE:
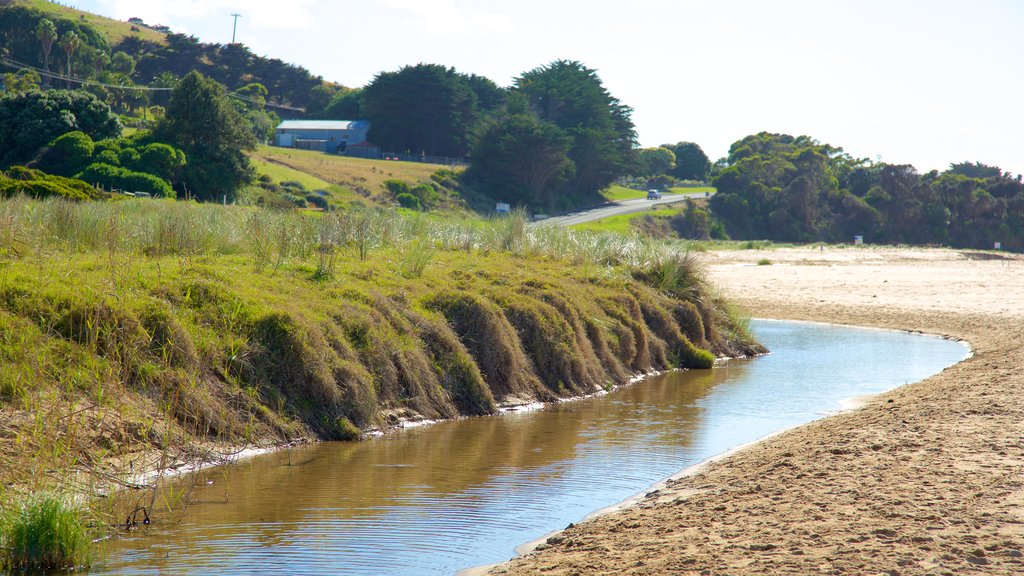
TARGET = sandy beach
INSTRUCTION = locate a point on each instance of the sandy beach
(926, 479)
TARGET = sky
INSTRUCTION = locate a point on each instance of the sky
(922, 82)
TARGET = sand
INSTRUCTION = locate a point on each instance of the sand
(926, 479)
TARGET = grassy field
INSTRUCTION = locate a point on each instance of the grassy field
(364, 177)
(338, 195)
(615, 193)
(622, 224)
(114, 30)
(692, 190)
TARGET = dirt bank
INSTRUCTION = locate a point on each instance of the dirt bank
(927, 479)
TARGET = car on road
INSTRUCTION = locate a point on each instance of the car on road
(653, 195)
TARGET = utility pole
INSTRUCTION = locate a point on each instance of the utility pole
(234, 29)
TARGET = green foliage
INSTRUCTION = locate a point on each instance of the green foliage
(346, 105)
(203, 123)
(21, 82)
(655, 161)
(691, 163)
(31, 120)
(407, 200)
(34, 183)
(111, 177)
(522, 159)
(778, 187)
(426, 108)
(67, 155)
(571, 96)
(41, 533)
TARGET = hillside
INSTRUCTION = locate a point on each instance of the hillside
(114, 30)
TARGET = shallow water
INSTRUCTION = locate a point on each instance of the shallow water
(437, 499)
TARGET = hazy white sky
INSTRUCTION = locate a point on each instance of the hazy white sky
(925, 82)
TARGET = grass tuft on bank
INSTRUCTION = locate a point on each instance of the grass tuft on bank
(43, 532)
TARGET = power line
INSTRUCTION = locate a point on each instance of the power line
(15, 64)
(55, 76)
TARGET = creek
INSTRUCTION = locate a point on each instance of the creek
(441, 498)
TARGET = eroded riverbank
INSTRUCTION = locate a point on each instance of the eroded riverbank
(924, 479)
(431, 500)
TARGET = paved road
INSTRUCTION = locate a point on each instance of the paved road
(617, 208)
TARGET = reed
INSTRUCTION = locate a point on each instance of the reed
(43, 532)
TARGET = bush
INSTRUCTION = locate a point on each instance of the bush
(396, 187)
(39, 189)
(67, 155)
(117, 177)
(43, 533)
(406, 200)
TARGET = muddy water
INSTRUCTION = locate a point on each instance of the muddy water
(437, 499)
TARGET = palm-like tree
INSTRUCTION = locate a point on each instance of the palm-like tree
(46, 32)
(70, 43)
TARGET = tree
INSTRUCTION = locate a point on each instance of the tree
(67, 155)
(427, 108)
(655, 161)
(346, 105)
(205, 125)
(691, 162)
(122, 63)
(30, 121)
(571, 96)
(70, 42)
(21, 82)
(519, 159)
(46, 32)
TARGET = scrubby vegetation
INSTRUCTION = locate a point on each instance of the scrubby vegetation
(135, 326)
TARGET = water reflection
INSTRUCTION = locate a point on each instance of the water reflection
(440, 498)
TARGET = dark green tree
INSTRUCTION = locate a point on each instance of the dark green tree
(67, 155)
(571, 96)
(426, 108)
(520, 159)
(206, 126)
(691, 162)
(30, 121)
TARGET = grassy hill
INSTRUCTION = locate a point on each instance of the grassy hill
(365, 177)
(114, 30)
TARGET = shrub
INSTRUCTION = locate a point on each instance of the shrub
(43, 532)
(116, 177)
(40, 189)
(67, 155)
(406, 200)
(396, 187)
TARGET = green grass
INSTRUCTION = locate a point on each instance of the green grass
(114, 30)
(622, 224)
(163, 321)
(693, 190)
(616, 193)
(283, 174)
(365, 177)
(41, 533)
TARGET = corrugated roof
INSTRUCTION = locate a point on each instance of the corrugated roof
(322, 124)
